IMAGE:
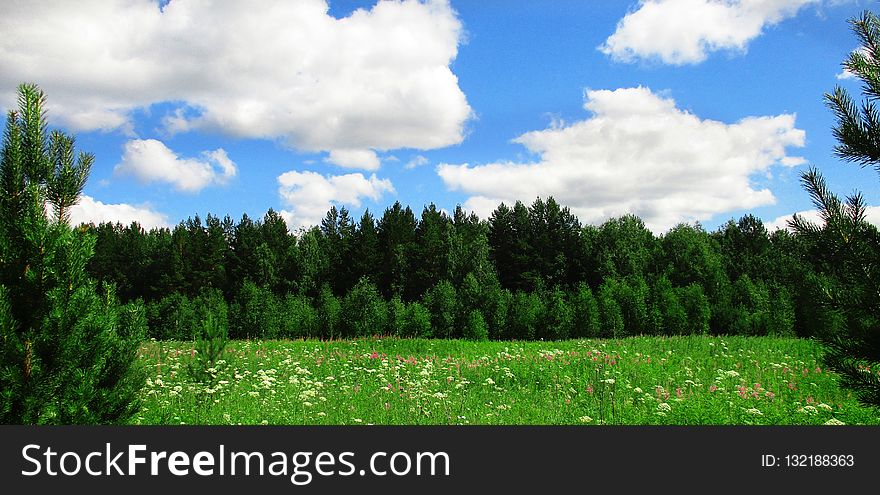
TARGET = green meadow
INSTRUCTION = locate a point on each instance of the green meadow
(634, 381)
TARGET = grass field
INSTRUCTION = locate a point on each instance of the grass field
(641, 380)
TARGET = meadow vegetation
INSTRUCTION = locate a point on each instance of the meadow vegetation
(687, 380)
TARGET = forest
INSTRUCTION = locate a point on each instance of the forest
(528, 272)
(86, 311)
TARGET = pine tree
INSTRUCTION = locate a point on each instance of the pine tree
(851, 244)
(67, 349)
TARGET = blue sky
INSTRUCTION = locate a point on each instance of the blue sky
(675, 110)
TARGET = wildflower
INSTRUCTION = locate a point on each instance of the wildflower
(824, 406)
(664, 407)
(490, 381)
(834, 422)
(754, 411)
(585, 419)
(609, 381)
(713, 387)
(638, 390)
(264, 422)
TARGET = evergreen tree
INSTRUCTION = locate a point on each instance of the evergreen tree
(365, 249)
(853, 243)
(67, 350)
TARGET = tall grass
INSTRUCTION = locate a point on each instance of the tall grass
(639, 380)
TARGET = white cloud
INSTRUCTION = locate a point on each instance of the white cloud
(872, 215)
(150, 160)
(90, 210)
(310, 194)
(417, 161)
(682, 32)
(364, 159)
(378, 79)
(639, 154)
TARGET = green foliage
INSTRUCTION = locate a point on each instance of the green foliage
(696, 308)
(68, 354)
(847, 293)
(846, 246)
(441, 302)
(586, 321)
(417, 321)
(609, 310)
(858, 127)
(329, 313)
(300, 320)
(524, 315)
(781, 323)
(256, 313)
(364, 311)
(172, 318)
(475, 327)
(558, 318)
(668, 315)
(210, 341)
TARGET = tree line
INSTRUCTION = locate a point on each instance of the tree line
(528, 272)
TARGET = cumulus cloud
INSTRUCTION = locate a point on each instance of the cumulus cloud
(378, 79)
(416, 161)
(150, 160)
(309, 194)
(365, 159)
(682, 32)
(90, 210)
(872, 215)
(639, 154)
